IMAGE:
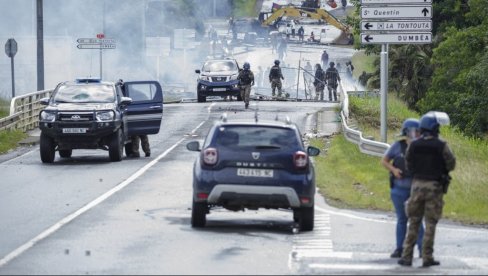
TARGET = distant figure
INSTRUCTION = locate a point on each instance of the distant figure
(301, 34)
(325, 59)
(312, 37)
(246, 80)
(344, 4)
(332, 77)
(275, 77)
(349, 70)
(282, 49)
(319, 82)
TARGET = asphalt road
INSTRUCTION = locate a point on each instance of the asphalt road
(86, 215)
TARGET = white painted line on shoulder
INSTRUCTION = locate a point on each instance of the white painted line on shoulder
(51, 230)
(345, 267)
(20, 156)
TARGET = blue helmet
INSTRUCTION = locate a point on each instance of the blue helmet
(246, 66)
(429, 123)
(409, 124)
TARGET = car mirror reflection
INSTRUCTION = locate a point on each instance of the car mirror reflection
(313, 151)
(193, 146)
(44, 101)
(197, 71)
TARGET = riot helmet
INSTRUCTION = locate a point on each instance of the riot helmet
(277, 62)
(410, 127)
(432, 120)
(246, 66)
(332, 64)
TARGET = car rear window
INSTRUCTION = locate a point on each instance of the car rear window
(85, 94)
(256, 136)
(219, 66)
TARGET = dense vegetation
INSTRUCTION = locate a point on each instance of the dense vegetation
(448, 75)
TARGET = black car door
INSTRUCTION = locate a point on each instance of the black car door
(146, 110)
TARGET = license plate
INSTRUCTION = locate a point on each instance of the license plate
(74, 130)
(219, 89)
(254, 172)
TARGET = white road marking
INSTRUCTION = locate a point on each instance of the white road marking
(20, 156)
(51, 230)
(346, 267)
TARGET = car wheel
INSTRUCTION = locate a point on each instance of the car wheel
(201, 99)
(47, 149)
(306, 218)
(65, 153)
(199, 214)
(128, 149)
(115, 148)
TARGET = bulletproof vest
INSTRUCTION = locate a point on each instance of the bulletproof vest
(246, 77)
(275, 72)
(331, 75)
(399, 160)
(427, 158)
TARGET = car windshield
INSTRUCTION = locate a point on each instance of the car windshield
(262, 137)
(98, 93)
(219, 66)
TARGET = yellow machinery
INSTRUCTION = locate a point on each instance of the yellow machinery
(297, 12)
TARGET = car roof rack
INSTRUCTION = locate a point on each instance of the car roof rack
(88, 80)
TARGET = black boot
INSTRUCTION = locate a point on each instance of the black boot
(430, 263)
(405, 262)
(397, 253)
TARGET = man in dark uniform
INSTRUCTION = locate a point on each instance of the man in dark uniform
(275, 77)
(319, 82)
(246, 80)
(332, 77)
(429, 159)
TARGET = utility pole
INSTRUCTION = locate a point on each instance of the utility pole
(40, 46)
(384, 90)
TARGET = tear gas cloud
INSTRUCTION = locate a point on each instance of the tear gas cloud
(129, 22)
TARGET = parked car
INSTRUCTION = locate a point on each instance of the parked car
(254, 164)
(218, 77)
(93, 114)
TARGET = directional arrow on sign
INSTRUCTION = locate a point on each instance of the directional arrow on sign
(425, 11)
(368, 38)
(367, 25)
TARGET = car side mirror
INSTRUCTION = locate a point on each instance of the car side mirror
(198, 71)
(125, 101)
(193, 146)
(44, 101)
(313, 151)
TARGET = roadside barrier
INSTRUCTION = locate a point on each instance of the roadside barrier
(24, 111)
(366, 146)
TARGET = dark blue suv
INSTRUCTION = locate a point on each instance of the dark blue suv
(258, 164)
(218, 77)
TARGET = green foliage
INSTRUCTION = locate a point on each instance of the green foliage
(349, 178)
(4, 108)
(244, 8)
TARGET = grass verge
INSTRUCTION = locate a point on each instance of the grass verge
(362, 62)
(351, 179)
(4, 108)
(10, 139)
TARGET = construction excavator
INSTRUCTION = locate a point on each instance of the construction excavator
(309, 9)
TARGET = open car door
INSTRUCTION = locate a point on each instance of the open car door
(145, 112)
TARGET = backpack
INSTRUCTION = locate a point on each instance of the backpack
(275, 72)
(399, 162)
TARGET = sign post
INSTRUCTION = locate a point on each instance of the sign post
(11, 50)
(97, 43)
(394, 22)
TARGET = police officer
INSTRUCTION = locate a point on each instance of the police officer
(332, 77)
(430, 160)
(401, 182)
(319, 82)
(275, 77)
(144, 140)
(246, 80)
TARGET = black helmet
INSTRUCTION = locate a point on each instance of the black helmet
(277, 62)
(409, 124)
(332, 64)
(246, 66)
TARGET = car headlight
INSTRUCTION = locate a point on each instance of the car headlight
(233, 77)
(205, 78)
(47, 116)
(104, 116)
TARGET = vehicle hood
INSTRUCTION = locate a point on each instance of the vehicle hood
(80, 106)
(220, 73)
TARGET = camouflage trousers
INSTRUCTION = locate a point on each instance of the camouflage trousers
(144, 143)
(245, 92)
(276, 83)
(426, 201)
(319, 91)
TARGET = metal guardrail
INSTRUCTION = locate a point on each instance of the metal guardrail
(366, 146)
(9, 122)
(26, 108)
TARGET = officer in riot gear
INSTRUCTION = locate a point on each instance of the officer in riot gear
(332, 77)
(401, 182)
(430, 160)
(275, 77)
(246, 80)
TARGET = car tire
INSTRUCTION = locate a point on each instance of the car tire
(305, 218)
(199, 214)
(65, 153)
(128, 149)
(116, 148)
(201, 99)
(47, 148)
